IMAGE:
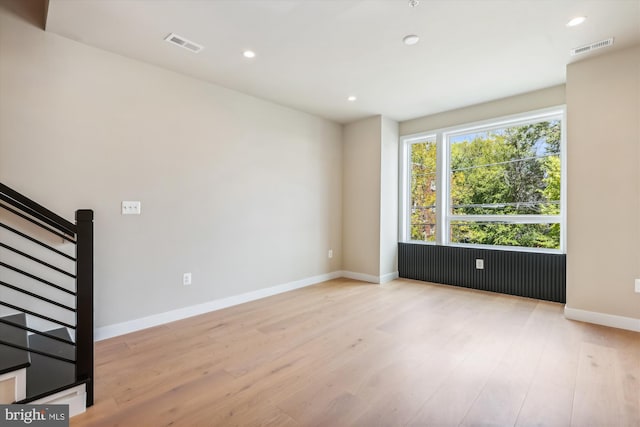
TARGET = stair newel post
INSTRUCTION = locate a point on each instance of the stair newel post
(84, 300)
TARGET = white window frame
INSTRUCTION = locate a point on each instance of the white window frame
(443, 170)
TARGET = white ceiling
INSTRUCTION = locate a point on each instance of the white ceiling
(312, 54)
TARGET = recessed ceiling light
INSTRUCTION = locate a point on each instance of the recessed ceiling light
(411, 39)
(352, 98)
(576, 21)
(249, 54)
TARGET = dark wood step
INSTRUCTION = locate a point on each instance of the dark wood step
(45, 374)
(12, 359)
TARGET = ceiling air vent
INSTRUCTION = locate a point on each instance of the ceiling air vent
(593, 46)
(184, 43)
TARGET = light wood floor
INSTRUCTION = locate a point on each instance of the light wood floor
(344, 353)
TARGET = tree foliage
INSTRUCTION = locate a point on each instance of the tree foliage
(509, 171)
(423, 191)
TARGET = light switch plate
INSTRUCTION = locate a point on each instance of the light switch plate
(131, 208)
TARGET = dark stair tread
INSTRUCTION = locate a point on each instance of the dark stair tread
(42, 343)
(46, 374)
(11, 358)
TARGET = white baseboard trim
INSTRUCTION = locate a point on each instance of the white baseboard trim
(370, 278)
(19, 379)
(75, 397)
(620, 322)
(360, 276)
(110, 331)
(389, 277)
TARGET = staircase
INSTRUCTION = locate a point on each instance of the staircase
(46, 305)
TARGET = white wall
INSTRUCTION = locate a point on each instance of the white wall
(603, 242)
(243, 193)
(388, 199)
(529, 101)
(361, 197)
(370, 199)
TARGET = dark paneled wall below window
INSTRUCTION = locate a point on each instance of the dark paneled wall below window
(527, 274)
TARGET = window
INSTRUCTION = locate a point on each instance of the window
(496, 184)
(423, 190)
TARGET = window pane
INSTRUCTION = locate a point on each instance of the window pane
(423, 191)
(508, 171)
(506, 234)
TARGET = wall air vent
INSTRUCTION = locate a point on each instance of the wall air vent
(183, 43)
(593, 46)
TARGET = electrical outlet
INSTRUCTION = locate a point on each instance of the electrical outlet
(330, 253)
(186, 279)
(479, 264)
(638, 286)
(131, 208)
